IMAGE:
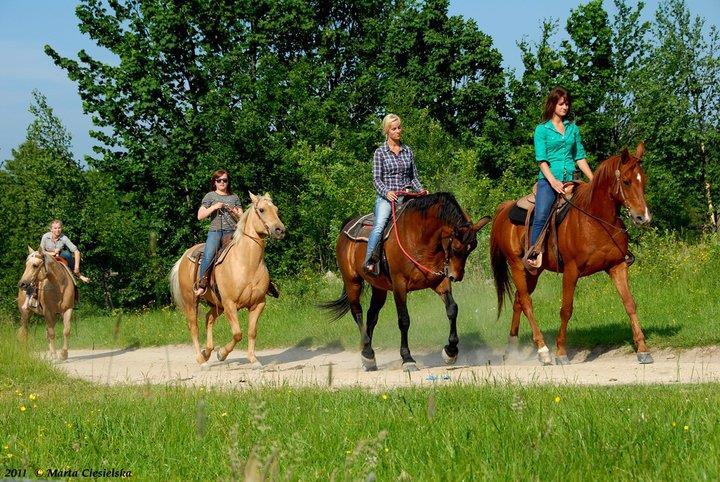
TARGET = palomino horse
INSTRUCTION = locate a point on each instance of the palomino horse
(241, 280)
(57, 294)
(433, 239)
(592, 238)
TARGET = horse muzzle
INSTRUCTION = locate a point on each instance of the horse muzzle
(641, 219)
(278, 232)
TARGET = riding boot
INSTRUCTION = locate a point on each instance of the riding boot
(372, 265)
(201, 285)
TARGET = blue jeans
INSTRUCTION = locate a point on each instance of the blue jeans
(211, 246)
(544, 200)
(382, 211)
(69, 257)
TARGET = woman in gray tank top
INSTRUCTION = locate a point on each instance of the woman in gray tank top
(219, 205)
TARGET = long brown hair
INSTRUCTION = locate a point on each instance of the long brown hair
(555, 95)
(217, 174)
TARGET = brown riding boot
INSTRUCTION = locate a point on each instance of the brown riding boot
(201, 286)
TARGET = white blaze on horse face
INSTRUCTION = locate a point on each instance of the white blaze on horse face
(639, 178)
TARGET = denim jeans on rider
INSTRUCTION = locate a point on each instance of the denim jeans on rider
(382, 212)
(543, 203)
(69, 257)
(211, 246)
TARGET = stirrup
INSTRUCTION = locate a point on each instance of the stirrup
(372, 267)
(200, 288)
(532, 261)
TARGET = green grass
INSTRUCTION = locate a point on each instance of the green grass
(454, 432)
(675, 286)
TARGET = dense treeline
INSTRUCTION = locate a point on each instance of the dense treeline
(287, 95)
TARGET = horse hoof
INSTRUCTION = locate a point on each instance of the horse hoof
(200, 359)
(220, 355)
(644, 358)
(256, 365)
(562, 360)
(205, 353)
(544, 356)
(64, 355)
(369, 364)
(409, 367)
(449, 360)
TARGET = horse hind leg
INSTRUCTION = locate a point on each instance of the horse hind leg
(212, 315)
(525, 285)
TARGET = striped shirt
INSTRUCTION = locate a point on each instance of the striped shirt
(393, 172)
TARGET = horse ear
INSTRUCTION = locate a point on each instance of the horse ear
(481, 222)
(624, 156)
(640, 150)
(253, 197)
(30, 250)
(267, 195)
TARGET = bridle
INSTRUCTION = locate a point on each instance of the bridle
(267, 228)
(36, 276)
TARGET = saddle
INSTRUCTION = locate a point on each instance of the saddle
(523, 212)
(358, 228)
(196, 257)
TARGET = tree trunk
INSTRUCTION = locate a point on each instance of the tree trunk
(708, 192)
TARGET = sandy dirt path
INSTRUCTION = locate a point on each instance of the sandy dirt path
(336, 367)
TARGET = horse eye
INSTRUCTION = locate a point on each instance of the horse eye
(262, 210)
(627, 183)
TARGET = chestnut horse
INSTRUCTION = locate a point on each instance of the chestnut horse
(592, 238)
(438, 235)
(57, 295)
(241, 280)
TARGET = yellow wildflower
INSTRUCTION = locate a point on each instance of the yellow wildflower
(557, 399)
(23, 408)
(32, 396)
(384, 396)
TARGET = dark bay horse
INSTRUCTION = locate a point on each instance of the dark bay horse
(436, 232)
(592, 238)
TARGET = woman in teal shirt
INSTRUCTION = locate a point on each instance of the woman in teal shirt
(557, 148)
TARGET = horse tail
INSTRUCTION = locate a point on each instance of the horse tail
(501, 273)
(338, 307)
(175, 284)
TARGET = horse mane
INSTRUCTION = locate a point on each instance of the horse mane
(240, 226)
(449, 211)
(604, 176)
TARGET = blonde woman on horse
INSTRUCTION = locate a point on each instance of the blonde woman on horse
(393, 170)
(558, 148)
(223, 208)
(57, 245)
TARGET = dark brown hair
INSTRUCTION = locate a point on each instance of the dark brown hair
(217, 174)
(555, 95)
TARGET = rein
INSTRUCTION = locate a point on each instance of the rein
(618, 230)
(267, 228)
(407, 255)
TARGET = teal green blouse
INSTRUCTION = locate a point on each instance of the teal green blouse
(559, 150)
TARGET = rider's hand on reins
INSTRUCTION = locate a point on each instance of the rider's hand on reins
(392, 196)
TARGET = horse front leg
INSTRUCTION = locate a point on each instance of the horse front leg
(618, 273)
(67, 318)
(570, 277)
(50, 329)
(232, 316)
(523, 286)
(377, 301)
(253, 315)
(450, 351)
(22, 333)
(408, 362)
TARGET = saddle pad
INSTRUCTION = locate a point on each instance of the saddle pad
(358, 229)
(517, 214)
(196, 255)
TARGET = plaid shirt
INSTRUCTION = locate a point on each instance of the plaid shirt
(393, 172)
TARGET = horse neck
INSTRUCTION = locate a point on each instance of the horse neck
(429, 234)
(251, 243)
(599, 201)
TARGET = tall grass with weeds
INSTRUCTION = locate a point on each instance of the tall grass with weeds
(449, 432)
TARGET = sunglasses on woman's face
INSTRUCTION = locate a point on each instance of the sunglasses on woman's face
(224, 180)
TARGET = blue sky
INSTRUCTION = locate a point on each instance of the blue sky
(27, 25)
